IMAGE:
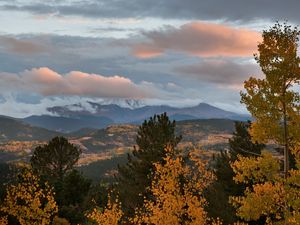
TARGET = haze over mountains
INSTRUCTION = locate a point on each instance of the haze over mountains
(74, 117)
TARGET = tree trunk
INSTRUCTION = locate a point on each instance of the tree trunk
(286, 145)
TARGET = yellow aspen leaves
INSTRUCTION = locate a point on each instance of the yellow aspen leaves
(260, 169)
(177, 190)
(176, 196)
(270, 196)
(111, 215)
(3, 220)
(264, 200)
(28, 202)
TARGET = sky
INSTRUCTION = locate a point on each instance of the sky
(171, 52)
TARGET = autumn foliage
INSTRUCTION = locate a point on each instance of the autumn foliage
(29, 201)
(177, 195)
(161, 185)
(274, 195)
(111, 215)
(271, 196)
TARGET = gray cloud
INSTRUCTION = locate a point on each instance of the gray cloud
(233, 10)
(91, 55)
(102, 56)
(15, 45)
(221, 72)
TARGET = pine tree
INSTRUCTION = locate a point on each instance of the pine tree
(176, 195)
(134, 177)
(218, 194)
(54, 162)
(55, 159)
(241, 143)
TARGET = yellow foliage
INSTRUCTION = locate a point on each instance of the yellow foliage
(264, 200)
(29, 202)
(296, 152)
(260, 169)
(177, 196)
(240, 223)
(177, 190)
(111, 215)
(270, 196)
(3, 220)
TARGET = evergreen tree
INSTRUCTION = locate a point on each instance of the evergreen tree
(55, 159)
(54, 162)
(218, 194)
(75, 189)
(241, 143)
(134, 177)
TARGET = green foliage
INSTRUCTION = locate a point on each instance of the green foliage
(153, 137)
(55, 159)
(97, 196)
(219, 192)
(241, 143)
(55, 162)
(75, 188)
(60, 221)
(5, 177)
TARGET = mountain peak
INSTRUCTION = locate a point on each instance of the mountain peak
(204, 104)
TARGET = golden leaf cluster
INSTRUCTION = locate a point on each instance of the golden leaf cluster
(176, 196)
(29, 202)
(111, 215)
(269, 196)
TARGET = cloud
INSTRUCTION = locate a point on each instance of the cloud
(223, 72)
(200, 39)
(233, 10)
(14, 45)
(47, 82)
(12, 107)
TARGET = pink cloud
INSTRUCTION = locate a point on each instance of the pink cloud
(18, 46)
(146, 51)
(200, 39)
(47, 82)
(42, 76)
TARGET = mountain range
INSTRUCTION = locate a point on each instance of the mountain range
(16, 129)
(74, 117)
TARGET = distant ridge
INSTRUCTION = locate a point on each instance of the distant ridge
(16, 129)
(75, 117)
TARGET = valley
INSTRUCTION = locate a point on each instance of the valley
(103, 149)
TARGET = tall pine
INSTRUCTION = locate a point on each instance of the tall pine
(135, 176)
(218, 194)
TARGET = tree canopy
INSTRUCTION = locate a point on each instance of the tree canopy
(55, 159)
(152, 138)
(30, 201)
(275, 105)
(273, 101)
